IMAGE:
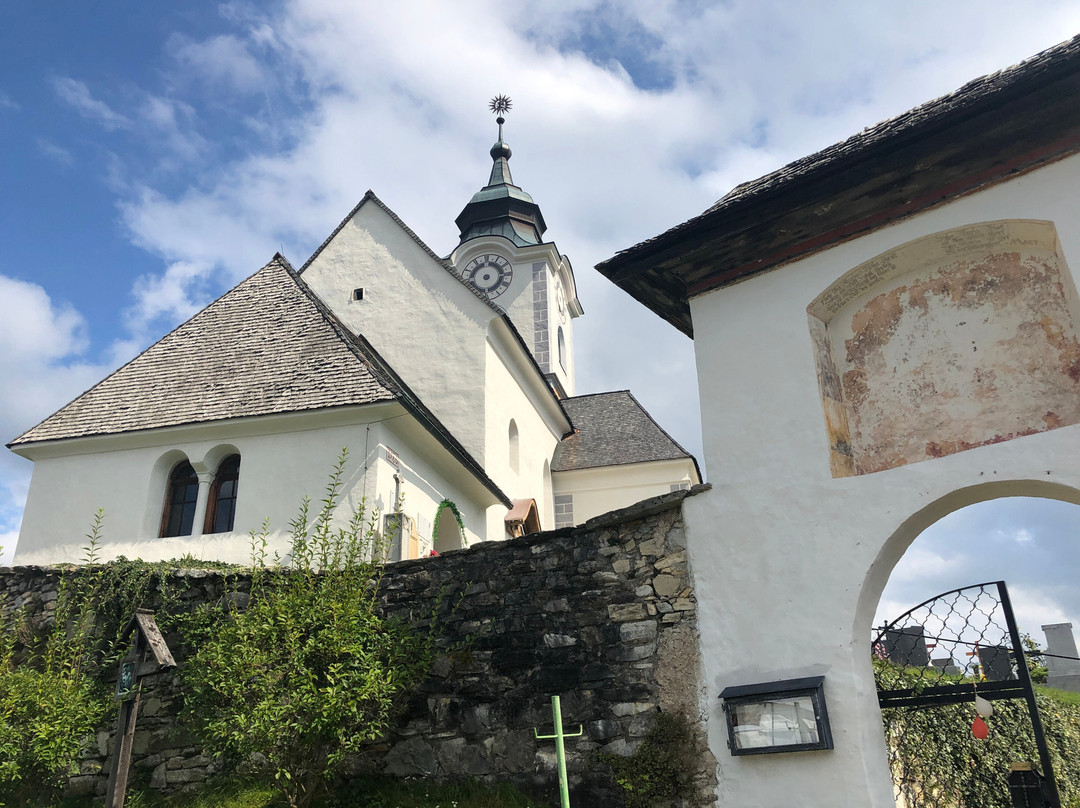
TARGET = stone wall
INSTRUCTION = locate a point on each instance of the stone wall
(602, 615)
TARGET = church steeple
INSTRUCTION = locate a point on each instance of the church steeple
(501, 208)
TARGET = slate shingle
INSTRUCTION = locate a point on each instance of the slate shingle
(612, 429)
(263, 347)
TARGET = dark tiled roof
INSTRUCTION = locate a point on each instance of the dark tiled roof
(612, 429)
(990, 129)
(263, 347)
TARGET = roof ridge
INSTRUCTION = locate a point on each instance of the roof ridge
(667, 435)
(601, 393)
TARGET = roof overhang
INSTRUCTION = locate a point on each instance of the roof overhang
(989, 131)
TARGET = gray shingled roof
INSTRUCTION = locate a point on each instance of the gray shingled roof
(263, 347)
(612, 429)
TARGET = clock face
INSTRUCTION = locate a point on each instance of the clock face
(560, 300)
(491, 274)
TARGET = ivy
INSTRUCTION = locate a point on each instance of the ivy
(452, 506)
(944, 764)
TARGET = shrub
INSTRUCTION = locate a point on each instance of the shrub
(664, 766)
(308, 672)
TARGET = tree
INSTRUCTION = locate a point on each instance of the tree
(309, 671)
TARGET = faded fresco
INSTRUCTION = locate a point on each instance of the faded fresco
(960, 339)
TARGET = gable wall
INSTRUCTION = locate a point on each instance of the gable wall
(814, 550)
(428, 327)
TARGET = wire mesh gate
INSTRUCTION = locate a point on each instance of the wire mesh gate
(928, 702)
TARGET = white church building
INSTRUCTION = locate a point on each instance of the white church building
(449, 380)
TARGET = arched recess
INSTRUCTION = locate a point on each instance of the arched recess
(959, 339)
(157, 491)
(515, 446)
(449, 528)
(866, 708)
(181, 501)
(901, 539)
(224, 460)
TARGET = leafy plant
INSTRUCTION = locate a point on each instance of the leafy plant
(308, 673)
(51, 699)
(664, 766)
(938, 761)
(448, 504)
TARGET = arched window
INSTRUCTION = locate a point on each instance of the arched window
(562, 349)
(515, 447)
(181, 497)
(221, 509)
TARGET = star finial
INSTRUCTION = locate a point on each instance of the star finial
(500, 104)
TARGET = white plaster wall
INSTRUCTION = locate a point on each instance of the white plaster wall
(607, 488)
(789, 562)
(505, 399)
(423, 321)
(277, 469)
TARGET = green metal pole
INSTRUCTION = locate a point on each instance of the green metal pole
(560, 752)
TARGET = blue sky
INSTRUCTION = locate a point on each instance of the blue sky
(155, 154)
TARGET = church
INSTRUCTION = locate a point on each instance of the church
(450, 382)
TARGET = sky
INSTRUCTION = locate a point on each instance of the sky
(152, 155)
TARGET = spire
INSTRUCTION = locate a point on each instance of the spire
(501, 208)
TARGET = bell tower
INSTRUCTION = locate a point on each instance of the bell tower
(502, 255)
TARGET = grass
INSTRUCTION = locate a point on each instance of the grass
(1063, 696)
(367, 792)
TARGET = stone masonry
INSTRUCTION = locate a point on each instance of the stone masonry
(602, 615)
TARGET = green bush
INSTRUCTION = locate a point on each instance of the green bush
(308, 672)
(664, 766)
(51, 696)
(945, 764)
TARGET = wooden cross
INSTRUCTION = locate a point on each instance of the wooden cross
(149, 654)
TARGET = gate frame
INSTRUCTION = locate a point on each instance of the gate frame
(941, 695)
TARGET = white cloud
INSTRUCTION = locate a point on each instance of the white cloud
(55, 152)
(222, 59)
(41, 347)
(77, 95)
(1022, 536)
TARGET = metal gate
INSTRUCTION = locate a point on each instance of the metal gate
(930, 664)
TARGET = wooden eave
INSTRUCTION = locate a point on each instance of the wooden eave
(991, 130)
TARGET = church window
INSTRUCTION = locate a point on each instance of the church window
(221, 509)
(180, 500)
(562, 349)
(515, 445)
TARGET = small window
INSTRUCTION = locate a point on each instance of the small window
(221, 510)
(515, 445)
(562, 349)
(358, 293)
(180, 500)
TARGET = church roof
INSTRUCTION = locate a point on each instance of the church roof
(989, 130)
(265, 347)
(613, 429)
(261, 348)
